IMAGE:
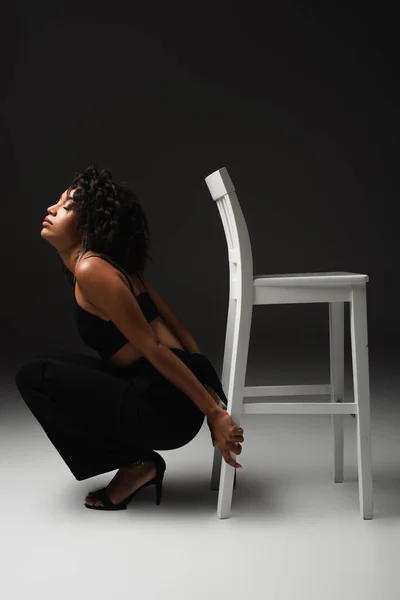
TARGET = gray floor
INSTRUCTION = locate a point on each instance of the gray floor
(293, 533)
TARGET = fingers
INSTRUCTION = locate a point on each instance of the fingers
(231, 461)
(235, 448)
(231, 445)
(237, 434)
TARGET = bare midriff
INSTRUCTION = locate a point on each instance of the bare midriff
(128, 354)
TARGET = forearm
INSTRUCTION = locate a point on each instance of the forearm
(175, 371)
(187, 341)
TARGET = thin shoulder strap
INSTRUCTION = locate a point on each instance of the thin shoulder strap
(117, 267)
(144, 285)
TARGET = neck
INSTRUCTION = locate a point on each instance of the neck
(70, 258)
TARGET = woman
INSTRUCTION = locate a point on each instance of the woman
(151, 387)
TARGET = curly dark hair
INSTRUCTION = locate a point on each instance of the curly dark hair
(110, 220)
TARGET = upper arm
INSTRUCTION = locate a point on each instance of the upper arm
(103, 287)
(165, 311)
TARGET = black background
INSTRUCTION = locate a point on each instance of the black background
(299, 101)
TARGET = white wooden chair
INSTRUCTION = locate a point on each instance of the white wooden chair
(247, 290)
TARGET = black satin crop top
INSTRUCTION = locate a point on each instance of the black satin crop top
(104, 336)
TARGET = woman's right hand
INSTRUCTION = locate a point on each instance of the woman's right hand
(227, 436)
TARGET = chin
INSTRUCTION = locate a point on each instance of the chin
(44, 237)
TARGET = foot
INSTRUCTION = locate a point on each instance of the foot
(125, 482)
(118, 477)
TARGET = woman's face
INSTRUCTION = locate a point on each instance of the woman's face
(62, 229)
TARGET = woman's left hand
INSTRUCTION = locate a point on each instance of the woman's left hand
(216, 398)
(211, 431)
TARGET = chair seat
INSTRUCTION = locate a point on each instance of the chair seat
(309, 279)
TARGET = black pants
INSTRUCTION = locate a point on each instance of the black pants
(100, 418)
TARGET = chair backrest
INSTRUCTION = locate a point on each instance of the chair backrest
(241, 291)
(237, 236)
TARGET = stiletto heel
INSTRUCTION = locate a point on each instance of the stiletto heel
(157, 480)
(160, 472)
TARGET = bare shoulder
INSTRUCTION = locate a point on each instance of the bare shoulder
(94, 269)
(85, 264)
(99, 270)
(95, 266)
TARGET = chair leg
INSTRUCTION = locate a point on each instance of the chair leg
(336, 338)
(234, 379)
(216, 470)
(359, 343)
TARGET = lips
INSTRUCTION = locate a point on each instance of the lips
(48, 221)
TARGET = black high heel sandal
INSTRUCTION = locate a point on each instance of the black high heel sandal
(157, 481)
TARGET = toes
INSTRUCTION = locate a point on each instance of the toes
(94, 502)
